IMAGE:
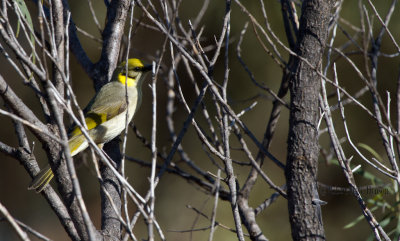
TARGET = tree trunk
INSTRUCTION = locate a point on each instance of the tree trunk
(302, 158)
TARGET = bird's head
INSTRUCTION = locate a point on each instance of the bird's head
(134, 73)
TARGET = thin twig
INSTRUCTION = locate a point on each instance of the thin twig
(22, 235)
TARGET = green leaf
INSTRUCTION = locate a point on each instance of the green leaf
(371, 151)
(386, 221)
(25, 13)
(334, 161)
(397, 229)
(358, 219)
(369, 176)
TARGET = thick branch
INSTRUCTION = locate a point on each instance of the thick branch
(302, 158)
(112, 34)
(20, 109)
(110, 224)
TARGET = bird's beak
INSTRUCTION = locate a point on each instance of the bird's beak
(147, 68)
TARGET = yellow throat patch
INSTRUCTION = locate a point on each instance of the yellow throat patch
(122, 78)
(134, 69)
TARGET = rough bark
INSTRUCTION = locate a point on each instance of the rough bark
(110, 224)
(302, 159)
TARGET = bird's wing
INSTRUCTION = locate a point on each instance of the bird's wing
(103, 107)
(97, 116)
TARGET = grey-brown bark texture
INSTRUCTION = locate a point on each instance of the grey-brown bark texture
(302, 158)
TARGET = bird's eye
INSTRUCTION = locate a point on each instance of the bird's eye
(136, 69)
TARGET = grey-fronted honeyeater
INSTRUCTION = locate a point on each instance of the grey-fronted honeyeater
(105, 115)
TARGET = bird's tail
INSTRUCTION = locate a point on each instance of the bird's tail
(42, 179)
(76, 144)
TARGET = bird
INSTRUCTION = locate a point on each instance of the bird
(105, 115)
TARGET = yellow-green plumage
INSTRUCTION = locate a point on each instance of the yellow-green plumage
(105, 115)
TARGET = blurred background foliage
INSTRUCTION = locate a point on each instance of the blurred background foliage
(174, 195)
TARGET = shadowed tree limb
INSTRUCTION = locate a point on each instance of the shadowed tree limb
(303, 149)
